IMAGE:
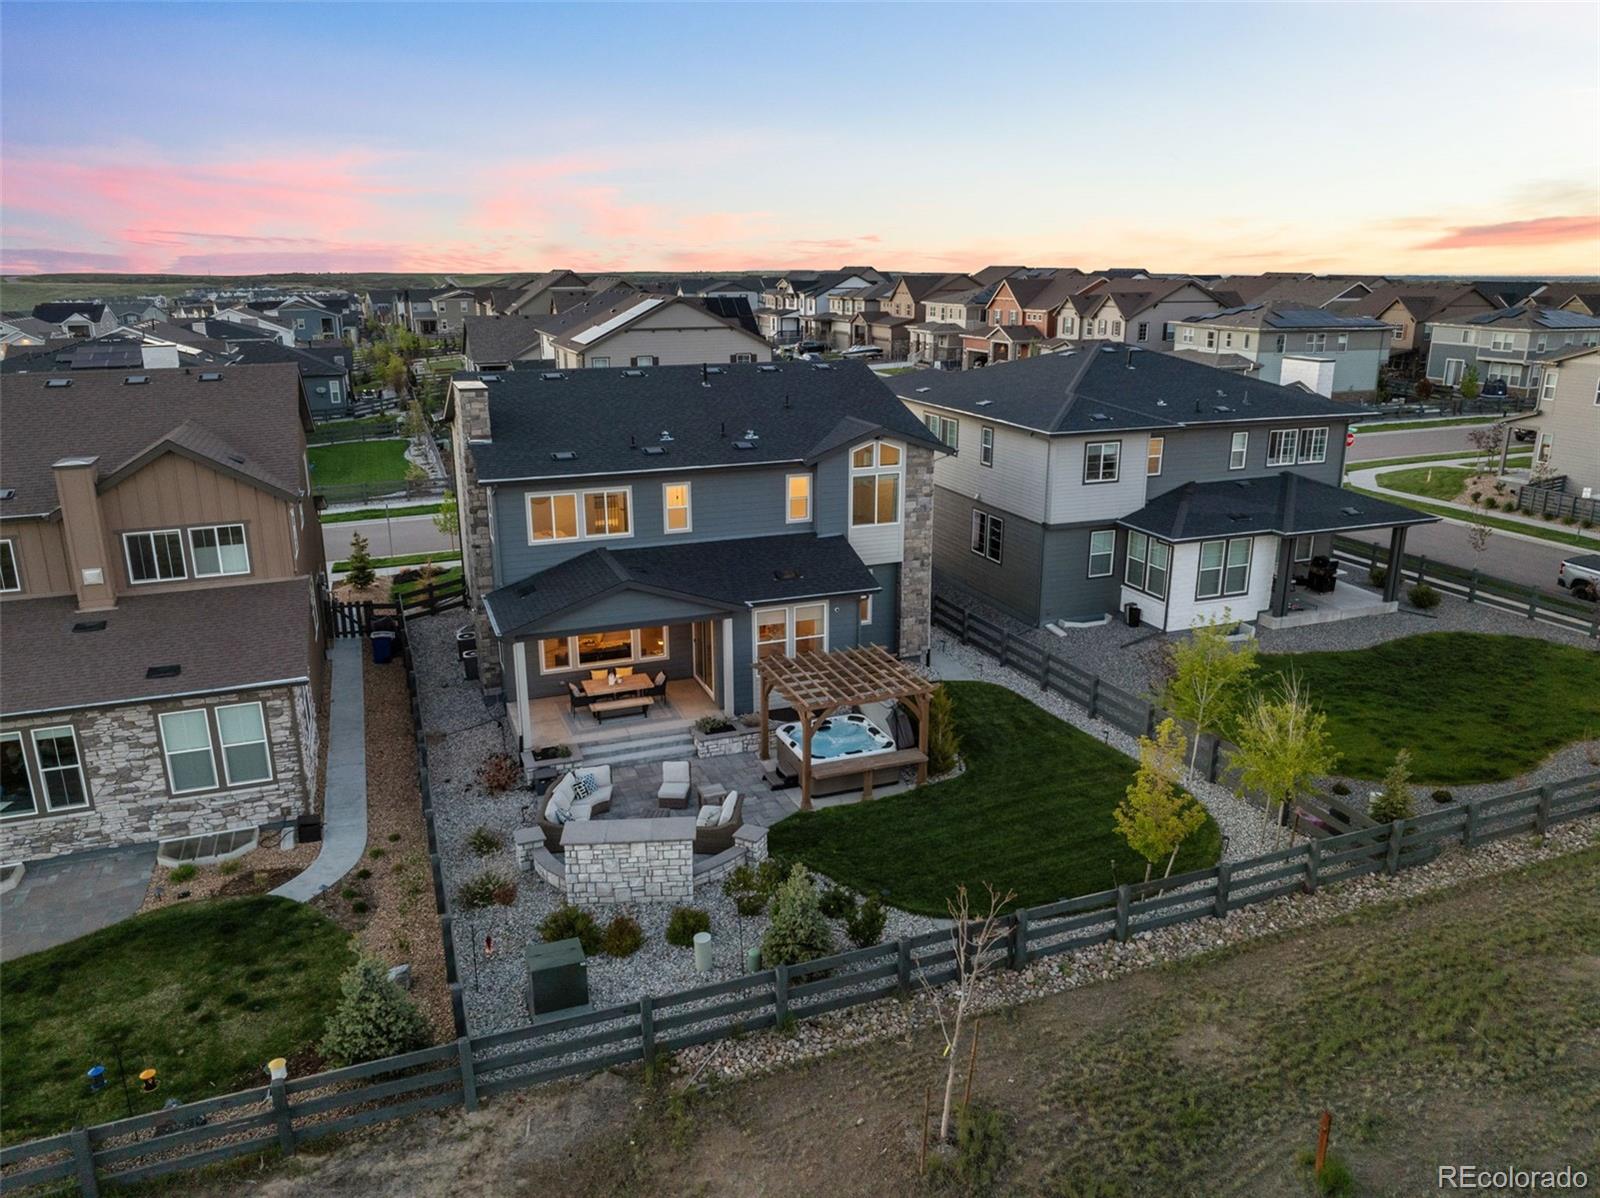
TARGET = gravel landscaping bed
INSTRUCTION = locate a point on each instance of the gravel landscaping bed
(1239, 821)
(461, 733)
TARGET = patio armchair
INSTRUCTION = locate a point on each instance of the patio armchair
(676, 785)
(660, 687)
(578, 697)
(563, 798)
(716, 836)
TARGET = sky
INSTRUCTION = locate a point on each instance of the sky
(478, 138)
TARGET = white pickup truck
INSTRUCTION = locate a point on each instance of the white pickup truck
(1581, 576)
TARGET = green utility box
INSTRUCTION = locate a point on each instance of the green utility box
(558, 977)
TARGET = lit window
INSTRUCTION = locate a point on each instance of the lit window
(1239, 451)
(808, 624)
(601, 648)
(864, 610)
(552, 518)
(1102, 552)
(605, 514)
(772, 632)
(1153, 454)
(799, 499)
(219, 550)
(154, 556)
(186, 741)
(554, 654)
(675, 507)
(875, 485)
(242, 731)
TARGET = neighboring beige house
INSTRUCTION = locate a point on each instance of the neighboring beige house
(540, 295)
(639, 328)
(160, 608)
(1134, 311)
(1568, 419)
(1407, 308)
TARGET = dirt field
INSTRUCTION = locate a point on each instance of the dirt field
(1461, 1027)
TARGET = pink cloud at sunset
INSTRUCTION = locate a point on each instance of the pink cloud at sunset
(1545, 230)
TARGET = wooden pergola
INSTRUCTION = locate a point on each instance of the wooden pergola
(817, 685)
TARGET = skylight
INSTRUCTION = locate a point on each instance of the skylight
(211, 376)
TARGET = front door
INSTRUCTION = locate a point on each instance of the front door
(705, 656)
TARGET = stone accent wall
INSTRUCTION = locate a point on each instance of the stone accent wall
(125, 771)
(472, 501)
(916, 570)
(726, 744)
(629, 860)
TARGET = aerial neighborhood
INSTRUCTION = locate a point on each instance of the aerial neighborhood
(734, 581)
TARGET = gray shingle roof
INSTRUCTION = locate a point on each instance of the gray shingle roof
(1529, 317)
(607, 417)
(725, 574)
(1112, 389)
(499, 338)
(1287, 503)
(1284, 316)
(58, 310)
(223, 638)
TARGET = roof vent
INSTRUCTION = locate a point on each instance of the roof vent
(767, 368)
(983, 403)
(163, 671)
(743, 445)
(1108, 349)
(786, 574)
(552, 376)
(89, 626)
(665, 437)
(633, 374)
(654, 451)
(1350, 511)
(822, 365)
(1099, 416)
(564, 455)
(1222, 407)
(750, 435)
(58, 382)
(1161, 403)
(136, 380)
(923, 390)
(211, 376)
(715, 370)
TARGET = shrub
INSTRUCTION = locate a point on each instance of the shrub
(980, 1150)
(485, 889)
(1549, 517)
(348, 893)
(1587, 523)
(1423, 596)
(683, 925)
(374, 1019)
(360, 907)
(1569, 521)
(623, 936)
(708, 725)
(1442, 796)
(744, 887)
(796, 931)
(393, 836)
(1378, 575)
(837, 903)
(1394, 800)
(228, 868)
(572, 923)
(944, 745)
(406, 576)
(1477, 497)
(482, 842)
(1490, 505)
(183, 873)
(1339, 788)
(375, 853)
(499, 773)
(363, 873)
(1335, 1180)
(865, 924)
(771, 874)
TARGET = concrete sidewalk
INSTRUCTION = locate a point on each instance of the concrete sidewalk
(1367, 479)
(344, 804)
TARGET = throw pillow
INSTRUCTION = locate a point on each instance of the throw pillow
(729, 806)
(583, 786)
(708, 816)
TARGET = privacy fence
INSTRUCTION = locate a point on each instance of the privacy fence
(1536, 603)
(286, 1114)
(1551, 499)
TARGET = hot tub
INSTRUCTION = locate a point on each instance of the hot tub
(836, 738)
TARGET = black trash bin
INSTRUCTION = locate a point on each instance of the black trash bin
(469, 661)
(1133, 615)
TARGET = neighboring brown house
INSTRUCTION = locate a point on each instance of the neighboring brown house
(160, 616)
(1408, 309)
(1021, 304)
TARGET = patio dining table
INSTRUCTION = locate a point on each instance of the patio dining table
(599, 688)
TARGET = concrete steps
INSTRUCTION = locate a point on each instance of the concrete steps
(662, 746)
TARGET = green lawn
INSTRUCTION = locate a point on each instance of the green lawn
(1431, 482)
(1514, 459)
(442, 579)
(1032, 813)
(443, 558)
(358, 462)
(378, 513)
(1470, 707)
(204, 992)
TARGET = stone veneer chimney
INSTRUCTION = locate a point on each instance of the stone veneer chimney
(916, 568)
(471, 403)
(83, 530)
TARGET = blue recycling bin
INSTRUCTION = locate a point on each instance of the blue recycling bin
(382, 647)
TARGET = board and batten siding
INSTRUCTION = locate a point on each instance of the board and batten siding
(41, 558)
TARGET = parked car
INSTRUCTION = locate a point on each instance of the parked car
(1494, 387)
(1581, 576)
(863, 351)
(1524, 434)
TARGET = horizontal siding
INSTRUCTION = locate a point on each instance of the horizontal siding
(1013, 584)
(1066, 590)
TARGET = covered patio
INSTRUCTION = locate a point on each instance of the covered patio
(820, 686)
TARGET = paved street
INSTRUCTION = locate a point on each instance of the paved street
(385, 538)
(1409, 443)
(1531, 563)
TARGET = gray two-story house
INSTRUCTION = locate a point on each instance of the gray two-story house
(687, 521)
(1510, 345)
(1085, 481)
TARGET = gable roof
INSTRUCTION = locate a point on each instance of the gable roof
(57, 311)
(1421, 300)
(1529, 316)
(312, 361)
(493, 339)
(1133, 296)
(608, 418)
(1261, 315)
(1112, 389)
(232, 330)
(250, 409)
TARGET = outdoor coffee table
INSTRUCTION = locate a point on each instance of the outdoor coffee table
(712, 794)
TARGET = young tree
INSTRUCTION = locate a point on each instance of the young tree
(1486, 440)
(1283, 746)
(944, 744)
(796, 930)
(972, 937)
(1207, 678)
(1394, 800)
(1479, 530)
(361, 574)
(417, 425)
(374, 1019)
(395, 375)
(1470, 387)
(1155, 817)
(447, 518)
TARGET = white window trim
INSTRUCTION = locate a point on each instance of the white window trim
(245, 544)
(987, 521)
(986, 445)
(1322, 453)
(788, 611)
(127, 555)
(1277, 459)
(1143, 585)
(1222, 591)
(666, 511)
(876, 471)
(1116, 475)
(788, 498)
(166, 754)
(863, 621)
(582, 522)
(42, 799)
(1111, 555)
(574, 666)
(33, 790)
(1156, 447)
(577, 516)
(265, 741)
(1547, 388)
(1310, 544)
(1239, 448)
(9, 547)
